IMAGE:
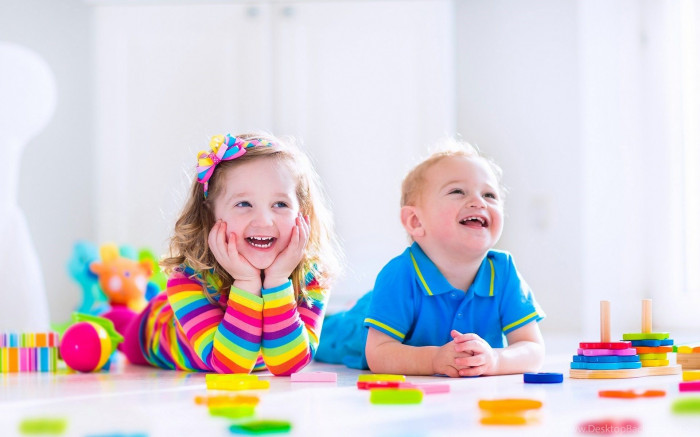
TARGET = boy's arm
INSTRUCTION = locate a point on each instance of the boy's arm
(385, 354)
(524, 353)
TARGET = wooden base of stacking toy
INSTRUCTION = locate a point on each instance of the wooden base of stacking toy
(624, 373)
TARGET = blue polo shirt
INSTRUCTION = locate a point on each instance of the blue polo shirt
(413, 302)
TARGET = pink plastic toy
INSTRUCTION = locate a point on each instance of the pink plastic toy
(87, 345)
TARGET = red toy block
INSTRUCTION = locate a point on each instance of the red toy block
(606, 345)
(366, 385)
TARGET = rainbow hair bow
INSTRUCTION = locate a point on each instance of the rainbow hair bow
(222, 149)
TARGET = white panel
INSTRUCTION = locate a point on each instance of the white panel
(171, 77)
(368, 86)
(517, 65)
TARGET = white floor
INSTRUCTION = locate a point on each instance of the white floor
(138, 400)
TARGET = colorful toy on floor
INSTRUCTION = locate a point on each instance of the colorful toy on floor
(691, 375)
(688, 356)
(380, 377)
(631, 394)
(543, 378)
(262, 427)
(43, 426)
(367, 385)
(395, 396)
(686, 405)
(639, 354)
(235, 382)
(28, 352)
(689, 386)
(87, 344)
(509, 411)
(650, 356)
(232, 411)
(230, 407)
(427, 389)
(227, 400)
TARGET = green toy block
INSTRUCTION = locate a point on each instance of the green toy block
(646, 336)
(686, 405)
(43, 425)
(237, 412)
(395, 396)
(261, 427)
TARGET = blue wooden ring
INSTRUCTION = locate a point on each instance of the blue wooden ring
(543, 378)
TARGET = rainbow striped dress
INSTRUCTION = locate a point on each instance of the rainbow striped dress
(180, 329)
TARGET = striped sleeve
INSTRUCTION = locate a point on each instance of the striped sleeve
(226, 341)
(291, 329)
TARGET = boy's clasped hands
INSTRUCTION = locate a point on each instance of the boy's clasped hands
(466, 355)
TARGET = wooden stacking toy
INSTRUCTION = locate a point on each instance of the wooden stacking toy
(688, 357)
(638, 354)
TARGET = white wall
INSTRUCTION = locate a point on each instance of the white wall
(552, 89)
(56, 177)
(518, 81)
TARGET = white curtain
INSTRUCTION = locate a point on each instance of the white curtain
(641, 160)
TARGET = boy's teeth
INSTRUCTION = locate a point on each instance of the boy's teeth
(473, 219)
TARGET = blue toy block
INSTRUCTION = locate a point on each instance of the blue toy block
(606, 366)
(606, 358)
(543, 378)
(652, 343)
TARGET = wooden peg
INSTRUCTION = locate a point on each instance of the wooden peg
(604, 321)
(646, 316)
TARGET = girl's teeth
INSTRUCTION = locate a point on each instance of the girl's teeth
(260, 242)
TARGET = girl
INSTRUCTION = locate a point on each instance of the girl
(250, 262)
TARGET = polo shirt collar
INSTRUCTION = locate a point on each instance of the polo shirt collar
(432, 281)
(485, 278)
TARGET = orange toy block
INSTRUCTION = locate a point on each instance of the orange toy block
(654, 350)
(631, 394)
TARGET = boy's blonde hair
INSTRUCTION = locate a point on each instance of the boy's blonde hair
(189, 242)
(413, 183)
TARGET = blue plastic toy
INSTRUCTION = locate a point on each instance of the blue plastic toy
(94, 300)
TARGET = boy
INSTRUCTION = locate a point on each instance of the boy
(444, 305)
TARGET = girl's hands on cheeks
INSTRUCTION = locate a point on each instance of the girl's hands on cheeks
(286, 261)
(223, 246)
(483, 360)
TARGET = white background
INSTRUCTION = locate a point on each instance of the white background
(577, 100)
